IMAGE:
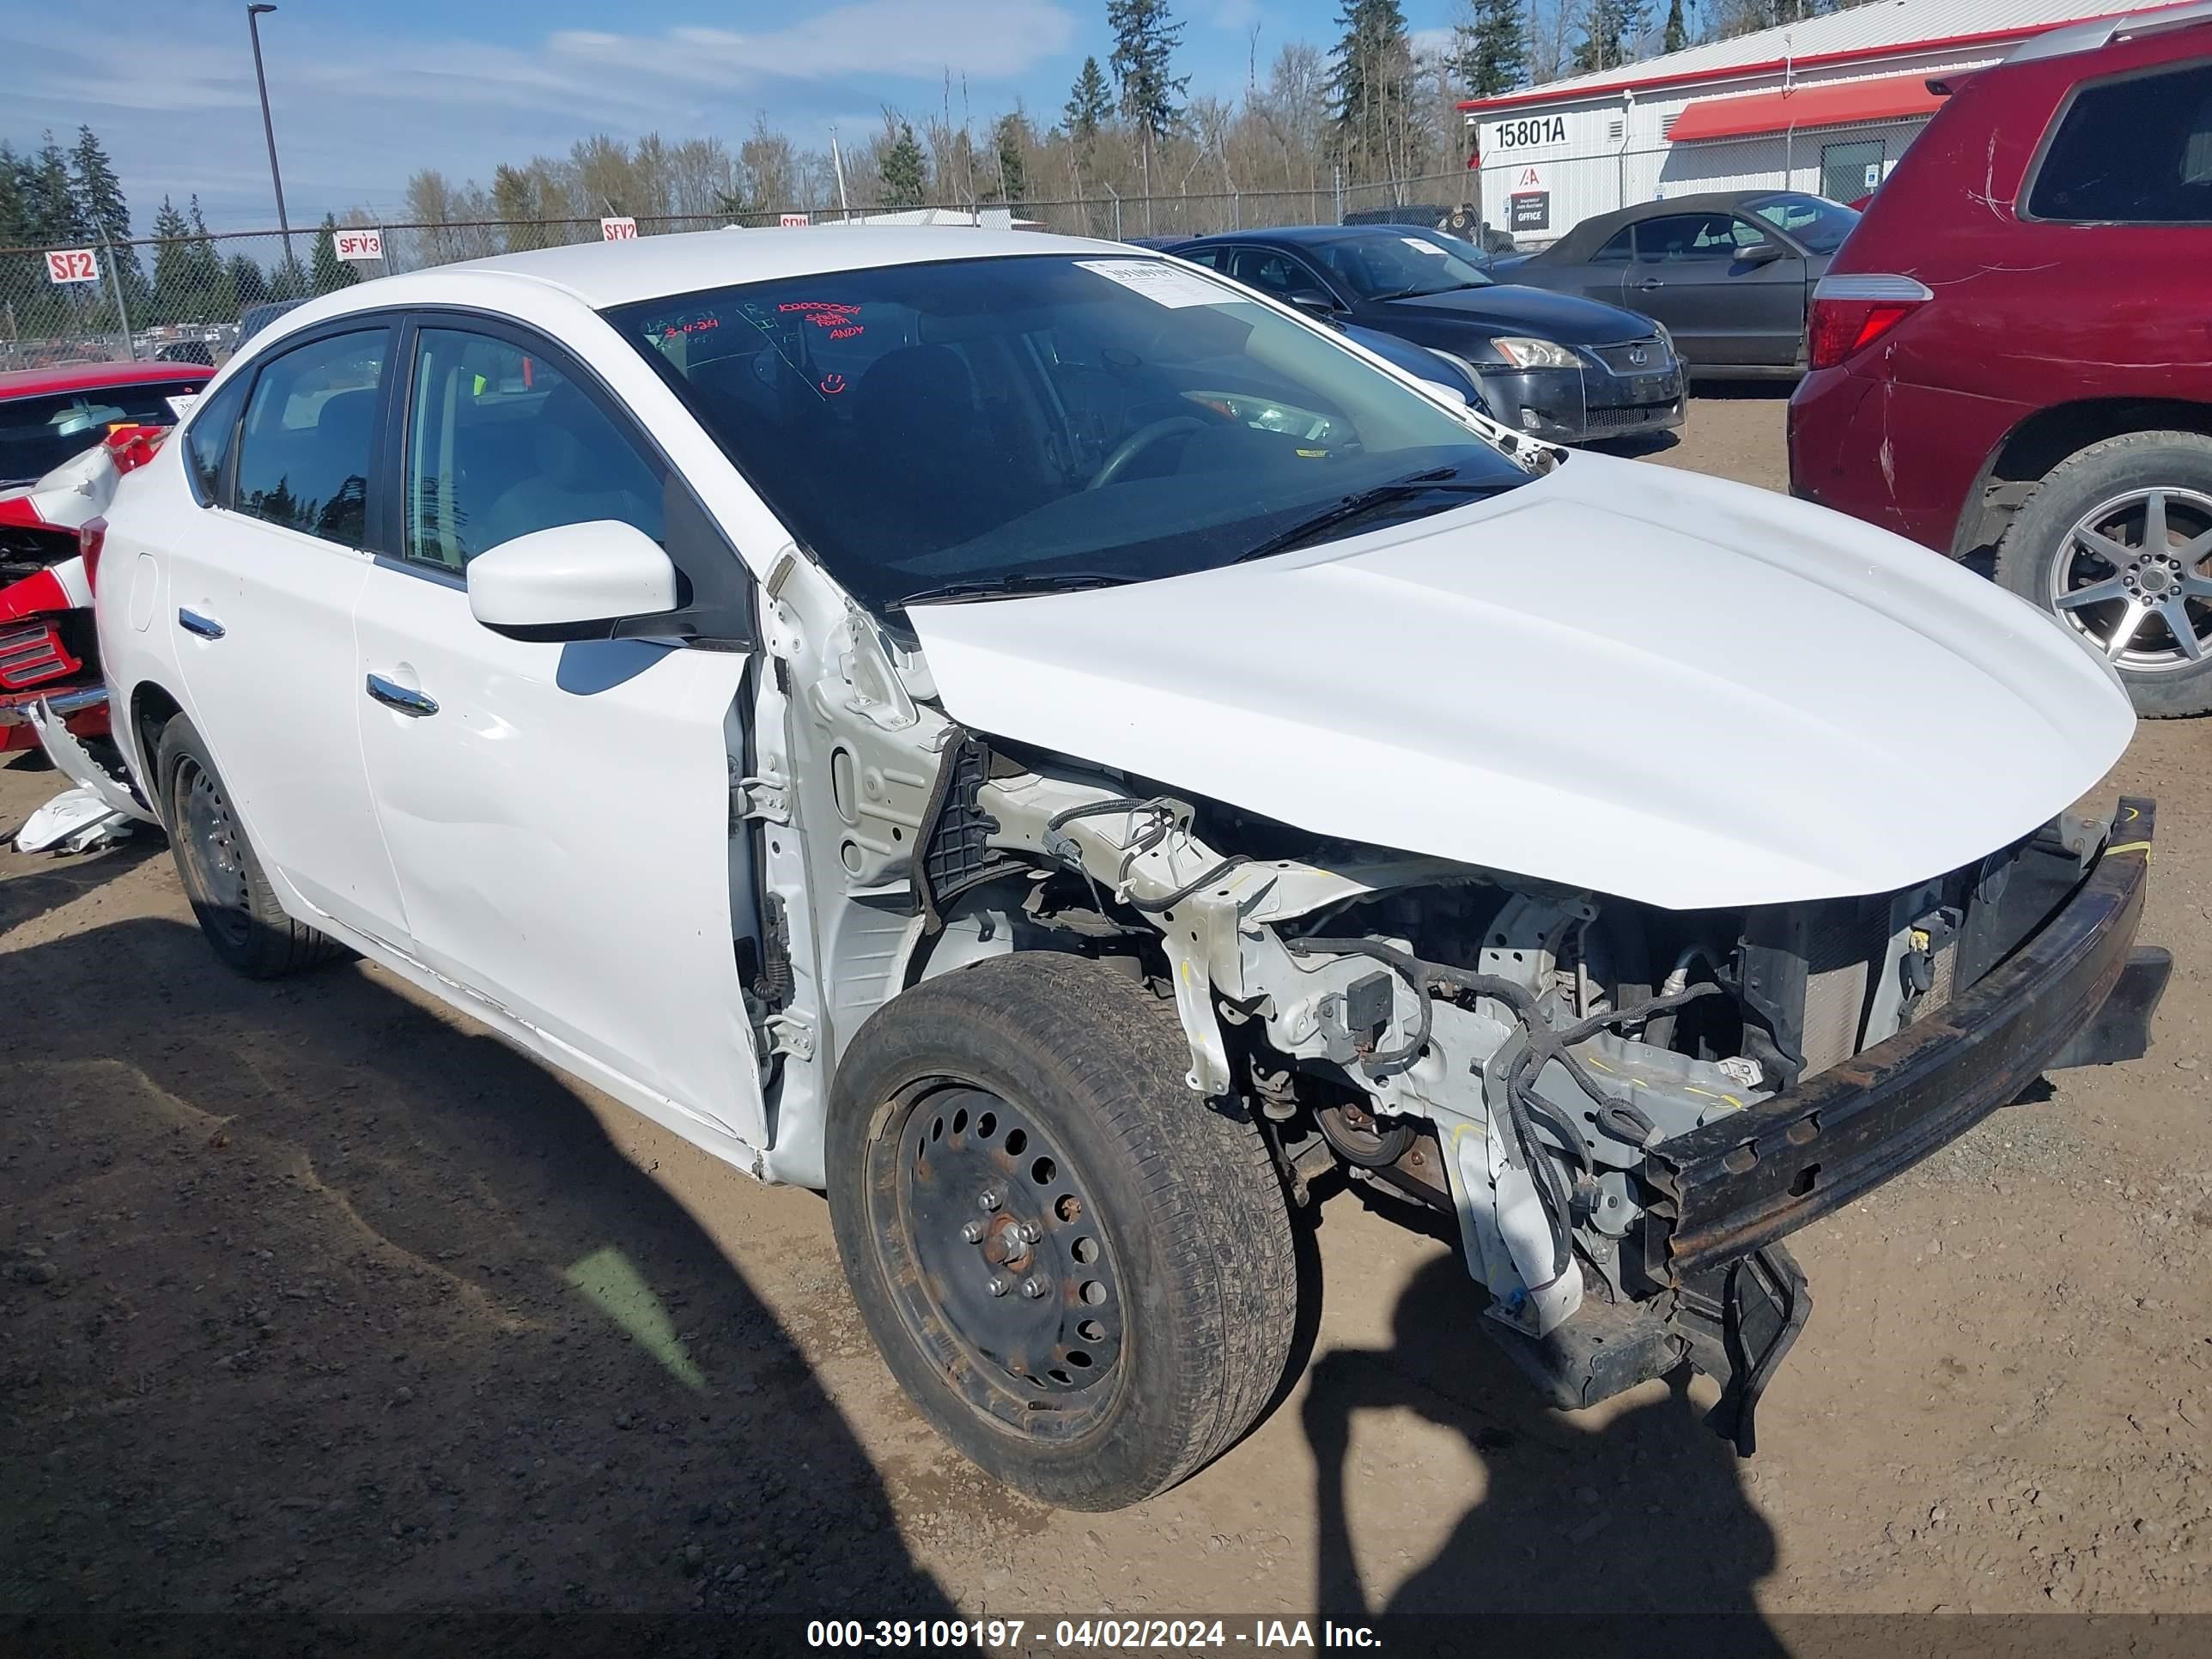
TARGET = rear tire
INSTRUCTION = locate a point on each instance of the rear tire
(2145, 500)
(223, 877)
(1145, 1323)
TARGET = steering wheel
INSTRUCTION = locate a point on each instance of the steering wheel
(1137, 443)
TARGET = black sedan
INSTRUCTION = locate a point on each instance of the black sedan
(1555, 367)
(1728, 273)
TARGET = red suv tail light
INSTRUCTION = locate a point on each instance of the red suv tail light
(1850, 314)
(91, 539)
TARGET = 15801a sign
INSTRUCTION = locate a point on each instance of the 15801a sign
(1529, 130)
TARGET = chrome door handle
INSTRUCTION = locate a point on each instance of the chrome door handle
(192, 623)
(399, 697)
(1649, 283)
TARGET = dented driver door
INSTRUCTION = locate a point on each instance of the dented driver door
(558, 813)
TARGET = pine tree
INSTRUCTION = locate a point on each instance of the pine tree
(903, 171)
(1678, 32)
(1490, 49)
(248, 281)
(49, 206)
(107, 216)
(14, 228)
(1010, 145)
(173, 255)
(1090, 104)
(287, 281)
(1610, 30)
(330, 271)
(1373, 85)
(207, 287)
(1146, 37)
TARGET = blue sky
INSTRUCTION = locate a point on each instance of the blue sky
(365, 93)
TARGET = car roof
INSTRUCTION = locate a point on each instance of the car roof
(1592, 233)
(92, 377)
(1304, 234)
(603, 274)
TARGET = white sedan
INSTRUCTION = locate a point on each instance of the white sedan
(1077, 760)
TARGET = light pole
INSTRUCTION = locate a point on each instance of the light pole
(268, 128)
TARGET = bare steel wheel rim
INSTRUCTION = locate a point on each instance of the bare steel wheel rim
(2131, 577)
(214, 850)
(999, 1260)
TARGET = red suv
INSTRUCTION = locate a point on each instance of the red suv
(2012, 354)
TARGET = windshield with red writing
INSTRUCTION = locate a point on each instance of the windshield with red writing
(1016, 421)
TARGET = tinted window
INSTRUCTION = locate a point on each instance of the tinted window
(36, 434)
(207, 440)
(1037, 418)
(303, 455)
(1273, 274)
(500, 444)
(1812, 221)
(1616, 251)
(1211, 258)
(1388, 266)
(2137, 150)
(1683, 236)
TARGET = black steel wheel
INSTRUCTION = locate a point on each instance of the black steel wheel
(1082, 1273)
(999, 1258)
(222, 877)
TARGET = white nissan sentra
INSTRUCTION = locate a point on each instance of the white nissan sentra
(1074, 759)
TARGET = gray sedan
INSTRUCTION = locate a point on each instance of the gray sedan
(1728, 273)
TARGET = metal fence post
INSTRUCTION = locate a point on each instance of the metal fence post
(1339, 192)
(1116, 195)
(122, 311)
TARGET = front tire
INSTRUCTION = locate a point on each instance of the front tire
(2115, 542)
(1082, 1273)
(230, 894)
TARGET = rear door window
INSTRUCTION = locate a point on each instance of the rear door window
(303, 457)
(208, 439)
(2137, 150)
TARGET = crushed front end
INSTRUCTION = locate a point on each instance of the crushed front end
(1626, 1108)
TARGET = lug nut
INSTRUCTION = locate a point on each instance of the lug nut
(972, 1231)
(997, 1284)
(988, 1201)
(1033, 1287)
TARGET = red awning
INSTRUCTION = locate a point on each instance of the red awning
(1826, 104)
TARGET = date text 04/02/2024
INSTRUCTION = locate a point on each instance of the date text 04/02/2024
(1087, 1634)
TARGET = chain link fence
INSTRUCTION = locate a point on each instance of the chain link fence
(182, 301)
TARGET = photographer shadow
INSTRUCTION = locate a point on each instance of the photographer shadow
(1600, 1536)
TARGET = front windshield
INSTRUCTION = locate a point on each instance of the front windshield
(1816, 224)
(1395, 265)
(1014, 423)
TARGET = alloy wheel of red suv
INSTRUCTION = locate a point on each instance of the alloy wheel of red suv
(2132, 578)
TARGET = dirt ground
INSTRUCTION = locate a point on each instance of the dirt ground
(316, 1299)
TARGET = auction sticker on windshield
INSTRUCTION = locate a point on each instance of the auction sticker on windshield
(1420, 247)
(1162, 284)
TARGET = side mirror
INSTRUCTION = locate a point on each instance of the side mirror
(574, 581)
(1759, 253)
(1313, 301)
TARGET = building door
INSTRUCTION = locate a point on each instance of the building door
(1852, 170)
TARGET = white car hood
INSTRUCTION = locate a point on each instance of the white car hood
(1619, 677)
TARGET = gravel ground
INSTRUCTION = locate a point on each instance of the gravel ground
(316, 1300)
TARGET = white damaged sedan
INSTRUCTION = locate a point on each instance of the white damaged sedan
(1078, 761)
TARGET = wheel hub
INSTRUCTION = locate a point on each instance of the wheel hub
(1009, 1264)
(2132, 577)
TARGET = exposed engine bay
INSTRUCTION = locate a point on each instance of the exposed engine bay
(1517, 1055)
